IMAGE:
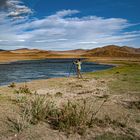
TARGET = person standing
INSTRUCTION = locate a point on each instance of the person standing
(78, 68)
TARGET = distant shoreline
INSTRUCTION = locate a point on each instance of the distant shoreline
(11, 61)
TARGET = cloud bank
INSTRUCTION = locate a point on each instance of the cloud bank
(63, 30)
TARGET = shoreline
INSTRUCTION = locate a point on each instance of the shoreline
(9, 62)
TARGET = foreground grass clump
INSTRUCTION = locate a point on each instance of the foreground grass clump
(33, 111)
(71, 117)
(18, 123)
(38, 109)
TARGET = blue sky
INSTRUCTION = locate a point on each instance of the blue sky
(69, 24)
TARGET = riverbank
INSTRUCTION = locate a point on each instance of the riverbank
(114, 95)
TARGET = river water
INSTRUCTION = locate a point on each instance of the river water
(23, 71)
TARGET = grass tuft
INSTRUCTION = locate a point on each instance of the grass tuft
(38, 109)
(23, 90)
(18, 124)
(58, 94)
(73, 117)
(111, 136)
(12, 85)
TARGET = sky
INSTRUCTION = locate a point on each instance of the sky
(69, 24)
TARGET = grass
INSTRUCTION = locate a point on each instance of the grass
(33, 111)
(71, 117)
(58, 94)
(20, 99)
(107, 121)
(23, 90)
(132, 104)
(123, 79)
(137, 120)
(38, 109)
(18, 123)
(127, 81)
(12, 85)
(111, 136)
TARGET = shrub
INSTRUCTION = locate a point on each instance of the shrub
(58, 94)
(12, 85)
(23, 90)
(72, 117)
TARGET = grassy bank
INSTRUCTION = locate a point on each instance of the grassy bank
(121, 79)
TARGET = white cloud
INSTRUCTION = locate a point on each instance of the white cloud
(21, 40)
(64, 13)
(52, 40)
(63, 30)
(15, 9)
(93, 42)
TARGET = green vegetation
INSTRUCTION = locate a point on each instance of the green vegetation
(122, 79)
(20, 99)
(71, 117)
(18, 124)
(107, 121)
(59, 94)
(12, 85)
(23, 90)
(111, 136)
(38, 109)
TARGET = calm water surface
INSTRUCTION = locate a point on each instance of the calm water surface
(23, 71)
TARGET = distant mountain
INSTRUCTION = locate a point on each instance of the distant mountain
(1, 50)
(31, 54)
(113, 51)
(69, 52)
(26, 50)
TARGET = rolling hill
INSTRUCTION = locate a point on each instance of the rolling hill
(113, 51)
(106, 51)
